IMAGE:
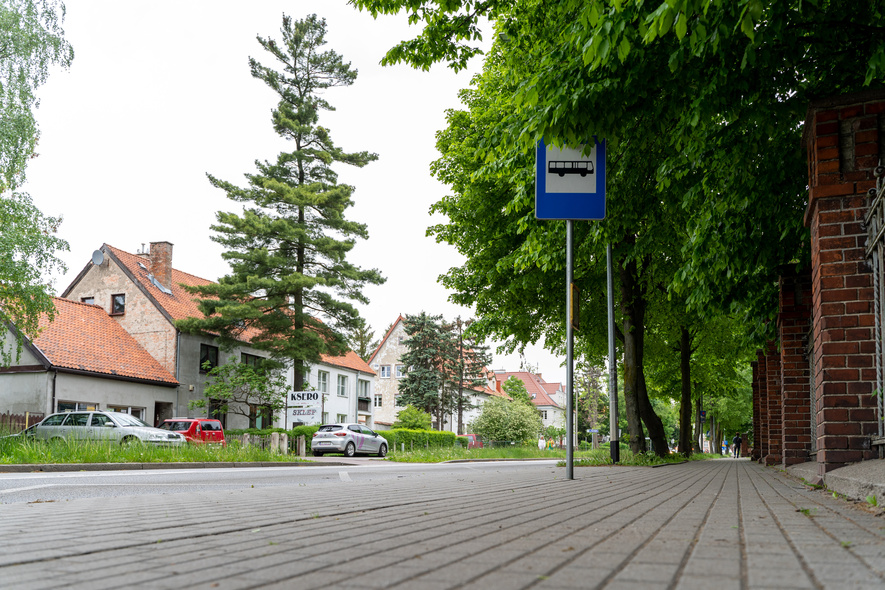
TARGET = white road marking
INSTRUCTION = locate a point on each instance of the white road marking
(344, 476)
(13, 490)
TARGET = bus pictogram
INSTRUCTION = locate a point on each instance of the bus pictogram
(582, 167)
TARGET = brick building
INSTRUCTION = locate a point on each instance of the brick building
(814, 389)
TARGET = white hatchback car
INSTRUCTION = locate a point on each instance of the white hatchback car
(349, 439)
(102, 426)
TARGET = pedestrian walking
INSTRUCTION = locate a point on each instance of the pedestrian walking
(736, 441)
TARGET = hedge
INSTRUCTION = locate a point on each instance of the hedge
(417, 438)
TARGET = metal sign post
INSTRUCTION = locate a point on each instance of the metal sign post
(614, 437)
(570, 186)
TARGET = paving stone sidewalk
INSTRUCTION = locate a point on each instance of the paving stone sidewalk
(715, 524)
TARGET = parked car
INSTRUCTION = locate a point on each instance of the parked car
(349, 439)
(473, 441)
(197, 430)
(103, 426)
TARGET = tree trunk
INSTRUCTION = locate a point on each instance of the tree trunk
(698, 425)
(594, 409)
(631, 307)
(685, 399)
(653, 423)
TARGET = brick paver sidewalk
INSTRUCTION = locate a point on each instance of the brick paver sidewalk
(714, 524)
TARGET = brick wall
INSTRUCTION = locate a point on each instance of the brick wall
(842, 136)
(760, 449)
(757, 418)
(773, 398)
(794, 322)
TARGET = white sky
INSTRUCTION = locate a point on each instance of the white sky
(159, 94)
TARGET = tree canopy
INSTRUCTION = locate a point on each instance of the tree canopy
(290, 284)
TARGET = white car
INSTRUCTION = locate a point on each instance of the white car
(102, 426)
(349, 439)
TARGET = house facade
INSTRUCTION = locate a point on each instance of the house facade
(549, 398)
(389, 371)
(142, 295)
(85, 360)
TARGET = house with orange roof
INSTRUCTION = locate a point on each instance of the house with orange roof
(389, 370)
(83, 360)
(145, 295)
(549, 398)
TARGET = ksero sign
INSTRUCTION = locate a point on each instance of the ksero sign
(304, 407)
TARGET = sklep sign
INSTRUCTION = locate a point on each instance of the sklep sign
(304, 407)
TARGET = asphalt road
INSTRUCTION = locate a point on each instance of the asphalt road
(57, 487)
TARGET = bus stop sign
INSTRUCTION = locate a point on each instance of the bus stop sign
(568, 183)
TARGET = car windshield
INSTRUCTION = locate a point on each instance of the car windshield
(330, 427)
(177, 426)
(129, 420)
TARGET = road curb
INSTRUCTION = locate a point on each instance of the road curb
(63, 467)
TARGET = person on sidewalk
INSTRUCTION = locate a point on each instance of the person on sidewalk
(736, 441)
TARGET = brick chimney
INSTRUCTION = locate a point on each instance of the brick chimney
(161, 262)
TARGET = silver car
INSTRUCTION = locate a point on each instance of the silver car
(102, 426)
(349, 439)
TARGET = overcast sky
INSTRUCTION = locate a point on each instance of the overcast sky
(160, 93)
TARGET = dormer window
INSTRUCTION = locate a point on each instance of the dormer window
(89, 300)
(118, 304)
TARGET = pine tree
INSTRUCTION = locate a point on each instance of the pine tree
(430, 356)
(471, 361)
(289, 277)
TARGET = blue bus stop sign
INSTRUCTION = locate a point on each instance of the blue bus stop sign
(568, 183)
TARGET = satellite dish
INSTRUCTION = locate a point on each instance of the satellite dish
(97, 257)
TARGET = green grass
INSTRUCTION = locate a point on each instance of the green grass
(582, 458)
(29, 451)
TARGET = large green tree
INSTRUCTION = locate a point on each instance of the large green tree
(31, 42)
(431, 357)
(290, 284)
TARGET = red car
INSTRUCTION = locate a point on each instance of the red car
(197, 430)
(473, 441)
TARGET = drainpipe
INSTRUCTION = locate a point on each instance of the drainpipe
(52, 406)
(177, 361)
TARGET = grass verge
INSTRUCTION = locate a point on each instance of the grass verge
(29, 451)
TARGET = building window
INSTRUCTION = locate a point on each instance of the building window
(216, 407)
(118, 304)
(64, 406)
(362, 388)
(385, 372)
(342, 385)
(251, 360)
(90, 300)
(323, 382)
(325, 417)
(137, 412)
(342, 417)
(543, 414)
(377, 401)
(400, 371)
(208, 354)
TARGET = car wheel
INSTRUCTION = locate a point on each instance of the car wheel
(349, 450)
(382, 450)
(130, 441)
(317, 454)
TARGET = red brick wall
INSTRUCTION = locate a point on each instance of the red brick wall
(842, 137)
(794, 322)
(760, 450)
(757, 419)
(773, 395)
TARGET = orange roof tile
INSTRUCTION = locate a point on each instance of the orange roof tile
(534, 384)
(84, 337)
(181, 304)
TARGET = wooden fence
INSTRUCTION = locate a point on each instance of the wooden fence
(10, 422)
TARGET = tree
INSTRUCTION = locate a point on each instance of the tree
(413, 418)
(471, 360)
(430, 357)
(245, 389)
(31, 40)
(505, 421)
(290, 282)
(515, 388)
(361, 339)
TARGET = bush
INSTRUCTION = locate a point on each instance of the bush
(502, 420)
(305, 431)
(418, 438)
(412, 418)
